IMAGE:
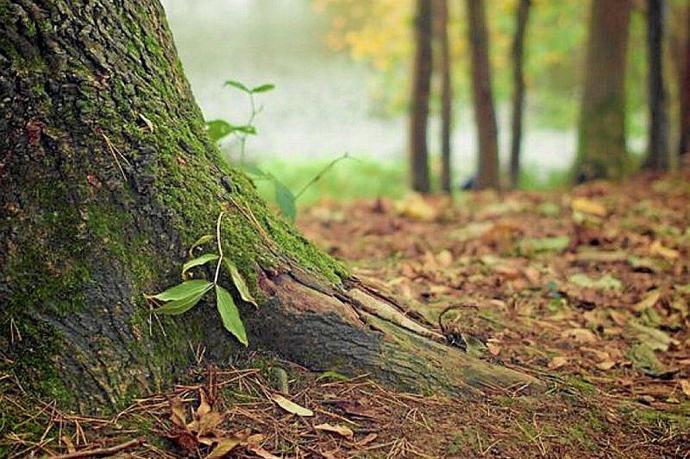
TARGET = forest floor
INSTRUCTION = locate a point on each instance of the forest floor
(587, 290)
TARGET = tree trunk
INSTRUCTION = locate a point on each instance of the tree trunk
(484, 112)
(107, 177)
(657, 152)
(680, 47)
(421, 85)
(446, 95)
(601, 133)
(518, 90)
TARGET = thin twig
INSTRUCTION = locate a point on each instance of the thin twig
(321, 173)
(103, 452)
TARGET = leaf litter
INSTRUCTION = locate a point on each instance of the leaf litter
(587, 290)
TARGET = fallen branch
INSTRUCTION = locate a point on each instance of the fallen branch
(103, 452)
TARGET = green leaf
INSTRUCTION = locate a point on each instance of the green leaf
(264, 88)
(285, 200)
(606, 282)
(239, 282)
(237, 85)
(202, 260)
(201, 241)
(184, 290)
(182, 305)
(217, 129)
(230, 314)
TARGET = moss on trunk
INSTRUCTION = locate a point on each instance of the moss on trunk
(107, 177)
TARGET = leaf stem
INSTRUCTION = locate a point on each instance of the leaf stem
(220, 248)
(321, 173)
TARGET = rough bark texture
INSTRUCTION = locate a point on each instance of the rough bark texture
(419, 110)
(518, 90)
(601, 133)
(484, 112)
(106, 179)
(446, 95)
(657, 150)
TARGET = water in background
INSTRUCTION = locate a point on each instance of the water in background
(320, 107)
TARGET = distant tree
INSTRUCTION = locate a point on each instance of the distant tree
(680, 49)
(446, 93)
(518, 90)
(421, 85)
(601, 149)
(484, 112)
(657, 152)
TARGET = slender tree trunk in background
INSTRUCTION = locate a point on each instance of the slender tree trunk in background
(680, 44)
(107, 177)
(484, 112)
(518, 90)
(601, 151)
(446, 94)
(658, 152)
(421, 86)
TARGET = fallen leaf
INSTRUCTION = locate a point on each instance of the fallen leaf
(606, 365)
(444, 258)
(494, 349)
(414, 207)
(644, 358)
(587, 206)
(557, 362)
(580, 335)
(262, 453)
(606, 282)
(177, 413)
(648, 301)
(685, 387)
(291, 407)
(657, 248)
(223, 447)
(338, 429)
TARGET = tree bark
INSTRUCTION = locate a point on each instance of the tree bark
(657, 150)
(446, 95)
(421, 84)
(601, 132)
(680, 48)
(518, 90)
(484, 112)
(107, 177)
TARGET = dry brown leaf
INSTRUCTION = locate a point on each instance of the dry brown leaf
(685, 387)
(338, 429)
(606, 365)
(177, 414)
(648, 301)
(444, 258)
(262, 453)
(657, 248)
(587, 206)
(619, 317)
(494, 349)
(291, 407)
(557, 362)
(580, 335)
(414, 207)
(204, 407)
(224, 446)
